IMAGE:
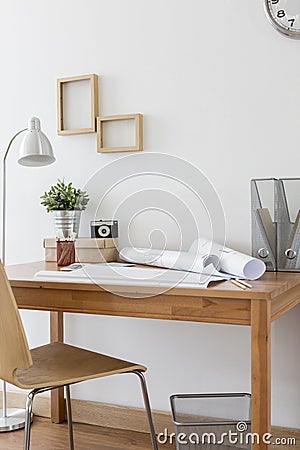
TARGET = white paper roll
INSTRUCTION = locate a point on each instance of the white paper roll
(231, 261)
(198, 258)
(169, 259)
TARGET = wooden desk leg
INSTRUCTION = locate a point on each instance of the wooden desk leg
(260, 369)
(57, 395)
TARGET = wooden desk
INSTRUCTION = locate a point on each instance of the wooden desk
(270, 297)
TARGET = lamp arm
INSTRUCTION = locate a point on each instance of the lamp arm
(4, 407)
(4, 193)
(34, 125)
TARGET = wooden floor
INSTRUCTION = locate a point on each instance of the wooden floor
(49, 436)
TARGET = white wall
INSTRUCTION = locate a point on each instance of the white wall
(218, 87)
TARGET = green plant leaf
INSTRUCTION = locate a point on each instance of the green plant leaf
(64, 197)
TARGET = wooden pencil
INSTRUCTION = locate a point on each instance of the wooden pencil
(244, 283)
(236, 283)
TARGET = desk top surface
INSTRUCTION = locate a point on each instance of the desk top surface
(269, 286)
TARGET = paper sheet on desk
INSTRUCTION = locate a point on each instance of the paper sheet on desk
(134, 276)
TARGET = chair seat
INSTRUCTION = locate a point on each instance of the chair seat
(59, 364)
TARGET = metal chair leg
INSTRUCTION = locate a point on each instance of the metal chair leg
(69, 417)
(28, 415)
(148, 408)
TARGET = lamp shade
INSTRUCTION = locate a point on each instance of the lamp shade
(35, 149)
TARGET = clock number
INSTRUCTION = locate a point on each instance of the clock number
(274, 2)
(292, 21)
(280, 14)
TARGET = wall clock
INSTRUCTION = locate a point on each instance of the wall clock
(284, 16)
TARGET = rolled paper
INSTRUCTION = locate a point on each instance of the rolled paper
(202, 254)
(231, 261)
(169, 259)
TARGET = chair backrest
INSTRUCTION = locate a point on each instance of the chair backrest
(14, 350)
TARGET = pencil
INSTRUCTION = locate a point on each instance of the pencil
(240, 285)
(244, 283)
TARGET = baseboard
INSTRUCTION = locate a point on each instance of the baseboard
(95, 413)
(120, 417)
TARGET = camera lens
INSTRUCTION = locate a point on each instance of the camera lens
(103, 230)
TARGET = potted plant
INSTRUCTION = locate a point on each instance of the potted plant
(65, 202)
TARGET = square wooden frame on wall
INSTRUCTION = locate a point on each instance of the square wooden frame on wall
(94, 104)
(138, 118)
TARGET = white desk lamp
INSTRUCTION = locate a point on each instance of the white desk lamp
(35, 150)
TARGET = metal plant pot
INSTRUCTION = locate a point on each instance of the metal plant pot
(66, 224)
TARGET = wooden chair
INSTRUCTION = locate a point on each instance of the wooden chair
(53, 365)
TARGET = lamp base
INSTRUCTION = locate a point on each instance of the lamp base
(14, 421)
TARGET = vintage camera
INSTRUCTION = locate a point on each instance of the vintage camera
(104, 229)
